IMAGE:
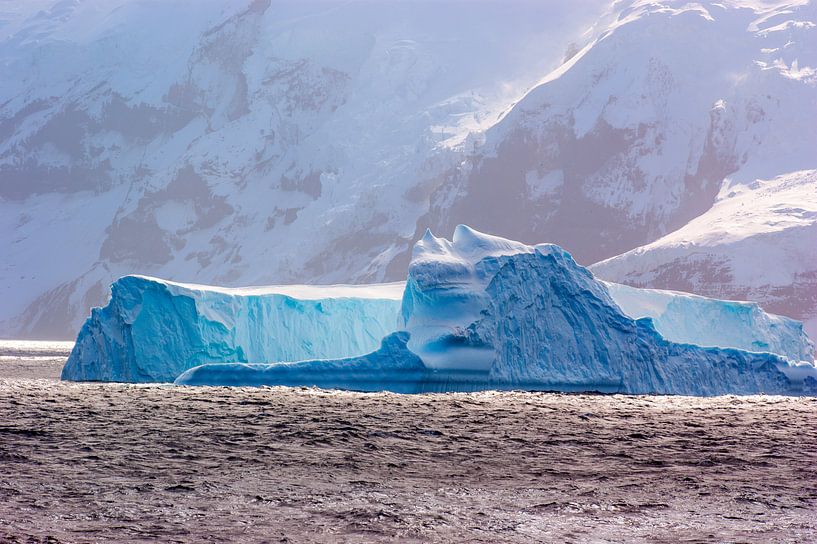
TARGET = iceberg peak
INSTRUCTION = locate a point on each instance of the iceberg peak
(475, 245)
(430, 245)
(467, 245)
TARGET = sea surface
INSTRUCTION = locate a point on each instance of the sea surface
(86, 462)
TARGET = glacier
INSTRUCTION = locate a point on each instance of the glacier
(153, 330)
(482, 312)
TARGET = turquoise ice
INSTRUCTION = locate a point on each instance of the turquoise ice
(153, 330)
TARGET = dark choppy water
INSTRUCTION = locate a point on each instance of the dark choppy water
(118, 463)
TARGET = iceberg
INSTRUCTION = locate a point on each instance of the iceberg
(692, 319)
(153, 330)
(481, 312)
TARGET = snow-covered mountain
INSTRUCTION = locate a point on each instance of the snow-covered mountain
(235, 142)
(268, 142)
(634, 135)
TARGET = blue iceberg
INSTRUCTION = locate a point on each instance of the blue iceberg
(153, 330)
(692, 319)
(481, 312)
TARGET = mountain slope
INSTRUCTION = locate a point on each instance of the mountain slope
(237, 143)
(632, 137)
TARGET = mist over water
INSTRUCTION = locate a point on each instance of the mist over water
(124, 463)
(33, 359)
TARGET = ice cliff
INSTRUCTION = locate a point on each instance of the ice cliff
(481, 312)
(691, 319)
(153, 330)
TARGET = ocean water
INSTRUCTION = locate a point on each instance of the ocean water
(136, 463)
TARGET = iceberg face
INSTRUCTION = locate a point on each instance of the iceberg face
(692, 319)
(567, 333)
(153, 330)
(481, 312)
(445, 290)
